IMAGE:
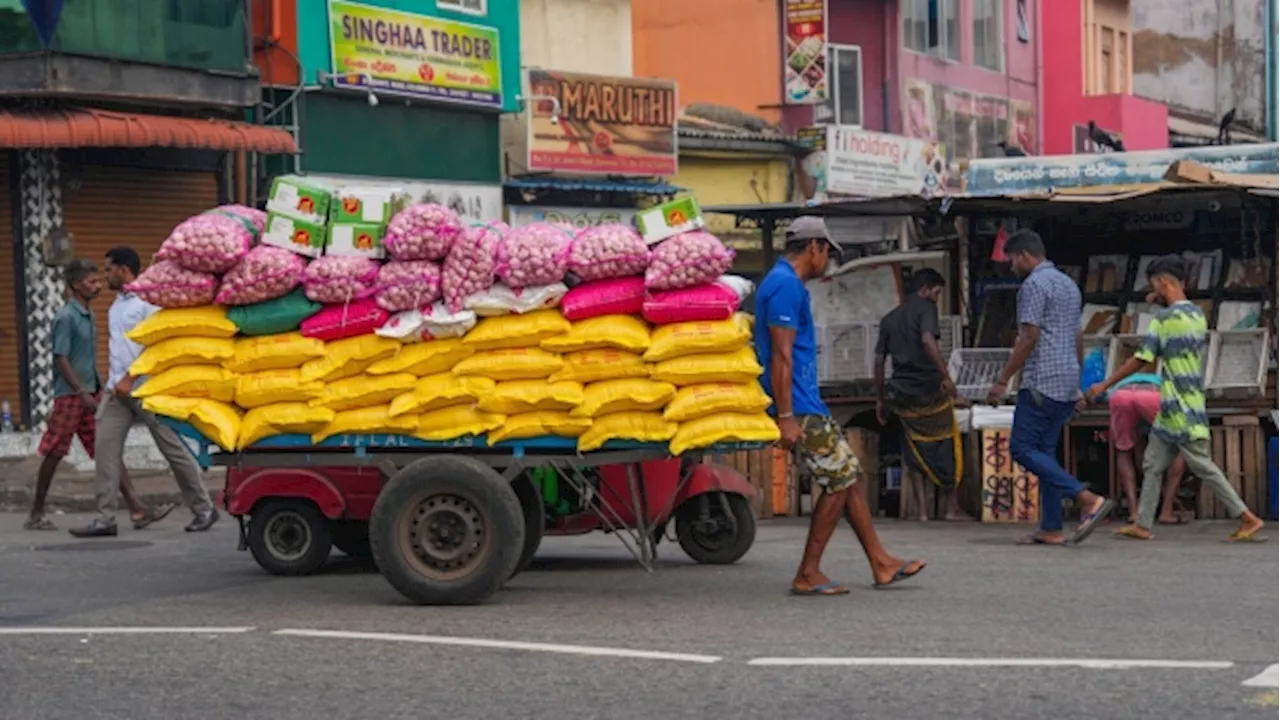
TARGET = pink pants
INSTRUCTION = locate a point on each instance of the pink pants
(1128, 406)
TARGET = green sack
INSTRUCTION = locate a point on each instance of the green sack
(282, 315)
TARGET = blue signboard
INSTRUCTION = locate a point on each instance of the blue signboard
(1011, 176)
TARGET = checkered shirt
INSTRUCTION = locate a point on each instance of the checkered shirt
(1050, 300)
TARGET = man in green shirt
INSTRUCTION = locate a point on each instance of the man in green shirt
(1177, 337)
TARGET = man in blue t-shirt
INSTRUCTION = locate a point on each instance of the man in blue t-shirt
(786, 345)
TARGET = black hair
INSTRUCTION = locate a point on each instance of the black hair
(925, 278)
(1027, 241)
(1174, 265)
(125, 257)
(77, 270)
(798, 245)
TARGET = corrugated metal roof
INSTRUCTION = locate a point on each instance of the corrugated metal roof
(88, 127)
(647, 187)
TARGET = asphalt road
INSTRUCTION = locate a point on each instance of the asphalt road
(161, 624)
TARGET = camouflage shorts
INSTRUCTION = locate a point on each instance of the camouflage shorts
(826, 454)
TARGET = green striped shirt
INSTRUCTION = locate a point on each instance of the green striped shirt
(1177, 337)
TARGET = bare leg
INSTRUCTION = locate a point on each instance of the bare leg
(883, 565)
(918, 492)
(1172, 478)
(954, 511)
(1127, 474)
(44, 478)
(822, 525)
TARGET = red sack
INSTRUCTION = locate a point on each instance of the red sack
(701, 303)
(335, 322)
(618, 296)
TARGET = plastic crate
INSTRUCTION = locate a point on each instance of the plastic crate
(975, 370)
(845, 352)
(1237, 360)
(950, 334)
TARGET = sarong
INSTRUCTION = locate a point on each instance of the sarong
(931, 436)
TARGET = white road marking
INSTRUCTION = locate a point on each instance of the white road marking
(124, 630)
(1091, 664)
(502, 645)
(1269, 678)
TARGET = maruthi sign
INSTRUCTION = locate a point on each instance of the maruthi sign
(606, 125)
(406, 54)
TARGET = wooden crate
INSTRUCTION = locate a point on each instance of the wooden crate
(1010, 494)
(1239, 449)
(763, 469)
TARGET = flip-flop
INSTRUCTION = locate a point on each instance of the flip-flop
(1034, 539)
(1253, 537)
(153, 515)
(830, 588)
(1090, 522)
(40, 523)
(901, 575)
(1130, 532)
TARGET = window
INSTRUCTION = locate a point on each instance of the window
(470, 7)
(932, 27)
(1122, 62)
(1106, 68)
(988, 38)
(843, 105)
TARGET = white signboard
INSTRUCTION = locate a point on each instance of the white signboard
(476, 202)
(871, 164)
(575, 216)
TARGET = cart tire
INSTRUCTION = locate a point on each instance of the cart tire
(289, 537)
(535, 519)
(351, 537)
(447, 531)
(724, 546)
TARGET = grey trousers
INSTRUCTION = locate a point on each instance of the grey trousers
(115, 416)
(1155, 462)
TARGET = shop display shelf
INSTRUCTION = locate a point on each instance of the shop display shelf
(974, 370)
(846, 351)
(1237, 360)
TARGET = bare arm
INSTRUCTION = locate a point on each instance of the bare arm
(1130, 366)
(780, 369)
(1028, 336)
(879, 376)
(64, 369)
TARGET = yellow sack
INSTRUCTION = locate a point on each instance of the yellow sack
(285, 418)
(274, 352)
(364, 391)
(739, 366)
(692, 338)
(366, 421)
(209, 321)
(697, 401)
(455, 422)
(424, 358)
(539, 424)
(182, 351)
(169, 406)
(638, 426)
(724, 427)
(441, 390)
(630, 395)
(516, 331)
(619, 332)
(191, 381)
(591, 366)
(524, 396)
(511, 364)
(215, 420)
(270, 387)
(348, 357)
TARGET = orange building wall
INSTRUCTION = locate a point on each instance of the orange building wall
(275, 35)
(726, 52)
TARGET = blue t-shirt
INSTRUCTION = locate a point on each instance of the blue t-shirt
(783, 301)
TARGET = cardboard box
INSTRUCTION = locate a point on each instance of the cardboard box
(362, 239)
(669, 219)
(366, 205)
(293, 197)
(300, 236)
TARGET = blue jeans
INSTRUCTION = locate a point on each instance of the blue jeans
(1037, 428)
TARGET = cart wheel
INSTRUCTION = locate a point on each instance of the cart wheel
(289, 537)
(447, 531)
(351, 537)
(716, 540)
(535, 519)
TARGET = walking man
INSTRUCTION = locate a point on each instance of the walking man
(1048, 351)
(786, 346)
(921, 393)
(119, 411)
(76, 386)
(1177, 337)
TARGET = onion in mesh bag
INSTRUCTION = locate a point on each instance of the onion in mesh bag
(339, 278)
(688, 259)
(211, 242)
(425, 231)
(256, 217)
(407, 285)
(535, 254)
(168, 285)
(469, 267)
(608, 251)
(265, 273)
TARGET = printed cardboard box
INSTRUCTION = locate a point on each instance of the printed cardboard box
(366, 205)
(669, 219)
(364, 239)
(293, 197)
(300, 236)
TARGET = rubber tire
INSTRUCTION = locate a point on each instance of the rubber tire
(455, 475)
(321, 539)
(351, 537)
(729, 554)
(535, 519)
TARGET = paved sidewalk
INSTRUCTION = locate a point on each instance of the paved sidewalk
(72, 491)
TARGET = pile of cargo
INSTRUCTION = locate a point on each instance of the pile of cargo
(290, 323)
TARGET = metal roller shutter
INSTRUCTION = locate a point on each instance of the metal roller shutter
(137, 207)
(10, 341)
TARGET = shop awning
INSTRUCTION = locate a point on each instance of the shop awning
(639, 187)
(887, 206)
(89, 127)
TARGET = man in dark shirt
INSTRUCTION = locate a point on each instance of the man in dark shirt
(921, 391)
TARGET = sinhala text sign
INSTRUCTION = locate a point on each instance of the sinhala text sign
(606, 125)
(406, 54)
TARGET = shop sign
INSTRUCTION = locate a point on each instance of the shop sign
(871, 164)
(1158, 220)
(404, 53)
(475, 202)
(1003, 176)
(575, 216)
(606, 125)
(805, 65)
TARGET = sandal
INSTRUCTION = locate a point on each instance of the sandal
(40, 523)
(153, 515)
(1129, 531)
(830, 588)
(1037, 539)
(1250, 537)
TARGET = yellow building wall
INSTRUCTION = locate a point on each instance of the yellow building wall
(735, 179)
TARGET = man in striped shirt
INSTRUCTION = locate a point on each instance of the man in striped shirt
(1177, 337)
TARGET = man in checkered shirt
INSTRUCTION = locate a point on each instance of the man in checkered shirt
(1048, 351)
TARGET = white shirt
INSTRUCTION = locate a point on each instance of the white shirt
(126, 312)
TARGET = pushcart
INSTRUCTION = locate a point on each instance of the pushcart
(448, 523)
